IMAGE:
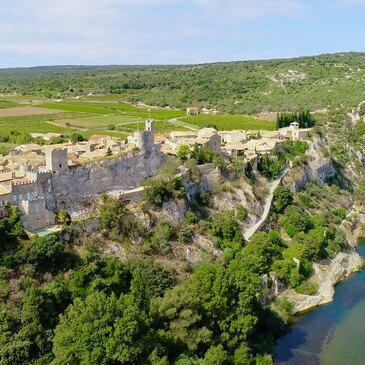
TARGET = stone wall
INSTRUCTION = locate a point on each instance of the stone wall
(40, 220)
(122, 173)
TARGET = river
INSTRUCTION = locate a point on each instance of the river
(333, 334)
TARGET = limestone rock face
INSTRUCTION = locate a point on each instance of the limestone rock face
(175, 209)
(327, 274)
(319, 168)
(209, 175)
(229, 201)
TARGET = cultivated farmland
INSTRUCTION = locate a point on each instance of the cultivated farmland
(230, 122)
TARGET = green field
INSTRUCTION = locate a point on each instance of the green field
(107, 108)
(4, 104)
(93, 115)
(161, 126)
(104, 132)
(30, 124)
(230, 122)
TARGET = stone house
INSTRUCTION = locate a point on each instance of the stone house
(294, 133)
(191, 110)
(209, 138)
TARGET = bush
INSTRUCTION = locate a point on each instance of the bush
(307, 288)
(284, 308)
(241, 212)
(340, 212)
(185, 234)
(75, 137)
(63, 217)
(160, 189)
(295, 220)
(283, 197)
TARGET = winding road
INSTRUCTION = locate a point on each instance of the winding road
(268, 201)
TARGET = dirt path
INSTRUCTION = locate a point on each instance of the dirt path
(179, 123)
(268, 201)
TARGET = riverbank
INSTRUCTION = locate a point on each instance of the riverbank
(327, 273)
(332, 334)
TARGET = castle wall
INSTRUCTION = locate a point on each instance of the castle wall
(122, 173)
(40, 220)
(34, 214)
(45, 186)
(24, 191)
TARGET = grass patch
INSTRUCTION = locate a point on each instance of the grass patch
(30, 124)
(116, 134)
(4, 104)
(113, 108)
(161, 126)
(230, 122)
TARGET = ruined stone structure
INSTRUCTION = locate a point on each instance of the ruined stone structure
(145, 140)
(40, 192)
(56, 160)
(122, 173)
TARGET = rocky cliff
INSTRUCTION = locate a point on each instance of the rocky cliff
(327, 274)
(316, 167)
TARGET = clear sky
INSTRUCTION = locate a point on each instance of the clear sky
(50, 32)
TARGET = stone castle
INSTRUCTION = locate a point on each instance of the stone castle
(40, 182)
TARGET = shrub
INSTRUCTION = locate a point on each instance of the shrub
(283, 197)
(295, 220)
(241, 212)
(307, 288)
(160, 189)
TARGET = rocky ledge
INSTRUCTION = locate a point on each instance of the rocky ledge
(327, 274)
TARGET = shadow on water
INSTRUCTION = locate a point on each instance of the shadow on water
(294, 339)
(304, 342)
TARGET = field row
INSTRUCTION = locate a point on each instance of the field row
(229, 122)
(106, 108)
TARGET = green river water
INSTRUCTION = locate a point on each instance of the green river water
(333, 334)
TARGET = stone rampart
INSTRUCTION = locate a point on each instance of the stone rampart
(122, 173)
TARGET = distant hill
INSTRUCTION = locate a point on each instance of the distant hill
(235, 87)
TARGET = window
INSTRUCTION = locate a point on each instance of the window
(14, 198)
(49, 181)
(20, 196)
(28, 196)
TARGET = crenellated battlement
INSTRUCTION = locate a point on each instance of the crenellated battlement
(44, 172)
(23, 183)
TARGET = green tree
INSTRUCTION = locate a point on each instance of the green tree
(183, 152)
(283, 197)
(76, 137)
(100, 330)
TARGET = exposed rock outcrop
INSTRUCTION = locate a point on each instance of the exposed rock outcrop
(326, 275)
(318, 167)
(175, 209)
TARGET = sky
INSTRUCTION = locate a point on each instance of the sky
(131, 32)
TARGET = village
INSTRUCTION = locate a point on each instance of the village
(38, 179)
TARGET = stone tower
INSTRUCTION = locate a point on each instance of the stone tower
(145, 140)
(56, 160)
(294, 131)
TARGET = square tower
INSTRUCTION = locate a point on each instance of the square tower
(56, 160)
